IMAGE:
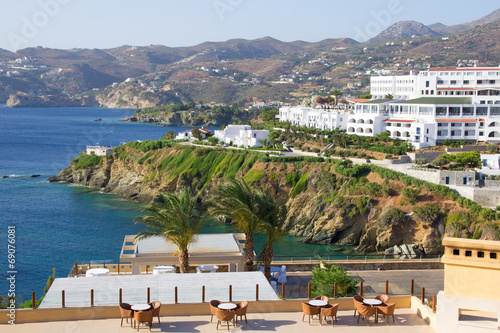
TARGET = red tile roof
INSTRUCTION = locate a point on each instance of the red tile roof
(457, 89)
(399, 121)
(456, 120)
(358, 100)
(205, 131)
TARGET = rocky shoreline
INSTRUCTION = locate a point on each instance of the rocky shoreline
(350, 221)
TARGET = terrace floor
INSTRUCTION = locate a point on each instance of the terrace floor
(289, 322)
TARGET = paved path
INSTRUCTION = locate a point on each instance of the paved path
(374, 282)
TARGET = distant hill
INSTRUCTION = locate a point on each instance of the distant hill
(453, 29)
(239, 70)
(403, 29)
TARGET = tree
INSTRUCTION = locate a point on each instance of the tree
(177, 219)
(197, 134)
(440, 161)
(273, 219)
(50, 280)
(169, 135)
(336, 93)
(389, 96)
(324, 277)
(236, 201)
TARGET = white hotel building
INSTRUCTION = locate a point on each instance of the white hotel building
(428, 107)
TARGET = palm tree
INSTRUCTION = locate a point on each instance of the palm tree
(273, 219)
(336, 93)
(389, 96)
(177, 220)
(236, 201)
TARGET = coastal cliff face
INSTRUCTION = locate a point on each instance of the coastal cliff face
(324, 207)
(21, 99)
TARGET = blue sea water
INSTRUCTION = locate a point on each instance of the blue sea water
(59, 224)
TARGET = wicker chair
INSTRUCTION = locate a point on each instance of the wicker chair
(357, 299)
(383, 298)
(310, 311)
(126, 312)
(143, 317)
(366, 311)
(329, 311)
(387, 311)
(213, 308)
(155, 309)
(241, 311)
(323, 298)
(224, 316)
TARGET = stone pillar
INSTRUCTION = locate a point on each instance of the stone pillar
(136, 268)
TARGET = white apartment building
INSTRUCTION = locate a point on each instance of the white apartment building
(241, 135)
(428, 107)
(321, 119)
(481, 83)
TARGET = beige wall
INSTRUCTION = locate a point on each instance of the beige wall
(472, 282)
(58, 314)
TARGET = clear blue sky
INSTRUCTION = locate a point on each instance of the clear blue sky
(109, 23)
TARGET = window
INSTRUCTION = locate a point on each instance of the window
(479, 81)
(493, 255)
(427, 131)
(427, 84)
(466, 81)
(456, 252)
(481, 133)
(468, 253)
(480, 254)
(440, 82)
(453, 82)
(418, 130)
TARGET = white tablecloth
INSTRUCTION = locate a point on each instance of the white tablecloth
(207, 268)
(163, 270)
(97, 272)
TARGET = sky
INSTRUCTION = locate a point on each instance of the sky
(67, 24)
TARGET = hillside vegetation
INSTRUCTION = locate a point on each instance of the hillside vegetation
(329, 201)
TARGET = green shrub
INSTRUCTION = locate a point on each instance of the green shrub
(410, 195)
(213, 140)
(86, 160)
(301, 185)
(253, 176)
(420, 161)
(429, 213)
(393, 217)
(323, 280)
(491, 148)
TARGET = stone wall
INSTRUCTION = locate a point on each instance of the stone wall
(429, 156)
(465, 148)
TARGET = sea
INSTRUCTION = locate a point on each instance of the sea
(54, 225)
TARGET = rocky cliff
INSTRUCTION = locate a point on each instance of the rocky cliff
(328, 203)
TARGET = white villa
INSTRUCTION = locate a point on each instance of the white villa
(460, 103)
(241, 135)
(188, 134)
(99, 150)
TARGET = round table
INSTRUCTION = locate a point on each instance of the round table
(227, 306)
(317, 302)
(97, 272)
(207, 268)
(140, 307)
(163, 270)
(372, 301)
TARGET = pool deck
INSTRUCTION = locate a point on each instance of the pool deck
(289, 322)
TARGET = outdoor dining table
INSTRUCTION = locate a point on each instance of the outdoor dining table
(372, 301)
(97, 272)
(317, 302)
(140, 307)
(227, 306)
